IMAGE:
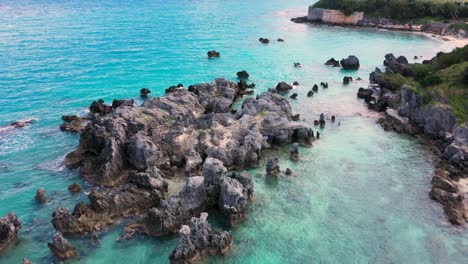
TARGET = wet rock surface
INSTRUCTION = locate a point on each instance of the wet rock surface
(10, 225)
(193, 134)
(198, 240)
(61, 248)
(350, 63)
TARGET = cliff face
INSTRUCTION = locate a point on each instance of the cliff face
(333, 16)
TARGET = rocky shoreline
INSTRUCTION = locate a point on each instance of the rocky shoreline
(434, 125)
(130, 154)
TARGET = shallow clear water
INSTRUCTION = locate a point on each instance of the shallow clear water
(358, 196)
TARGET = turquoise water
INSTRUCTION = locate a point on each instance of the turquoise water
(358, 196)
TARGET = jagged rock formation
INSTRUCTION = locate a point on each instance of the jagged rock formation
(192, 132)
(61, 248)
(198, 240)
(10, 225)
(350, 63)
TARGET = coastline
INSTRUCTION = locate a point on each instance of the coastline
(451, 41)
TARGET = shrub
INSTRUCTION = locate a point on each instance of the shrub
(465, 75)
(430, 79)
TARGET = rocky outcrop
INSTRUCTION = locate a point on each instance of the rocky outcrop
(41, 196)
(213, 54)
(294, 153)
(192, 132)
(10, 225)
(73, 123)
(74, 188)
(198, 240)
(236, 190)
(457, 151)
(283, 87)
(243, 75)
(332, 62)
(61, 248)
(273, 167)
(144, 92)
(350, 63)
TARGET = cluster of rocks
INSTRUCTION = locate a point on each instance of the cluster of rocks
(267, 41)
(405, 111)
(129, 151)
(350, 63)
(10, 225)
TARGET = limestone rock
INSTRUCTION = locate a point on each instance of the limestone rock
(10, 225)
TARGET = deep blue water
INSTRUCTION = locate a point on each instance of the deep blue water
(358, 196)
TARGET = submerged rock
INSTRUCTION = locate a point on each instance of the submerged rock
(347, 79)
(73, 123)
(288, 172)
(272, 167)
(41, 196)
(198, 240)
(74, 188)
(10, 225)
(294, 153)
(264, 40)
(61, 248)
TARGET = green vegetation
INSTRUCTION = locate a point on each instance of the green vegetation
(444, 79)
(402, 10)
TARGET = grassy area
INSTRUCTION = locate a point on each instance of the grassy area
(443, 80)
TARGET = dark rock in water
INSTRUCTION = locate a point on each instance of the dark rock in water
(397, 65)
(283, 87)
(19, 124)
(288, 172)
(300, 20)
(144, 92)
(347, 79)
(243, 75)
(294, 153)
(236, 190)
(74, 188)
(358, 79)
(453, 204)
(10, 225)
(322, 123)
(180, 85)
(171, 89)
(264, 40)
(351, 63)
(296, 117)
(333, 119)
(324, 85)
(122, 103)
(315, 88)
(100, 108)
(293, 96)
(310, 94)
(213, 54)
(41, 196)
(297, 65)
(61, 248)
(26, 261)
(332, 62)
(95, 240)
(318, 135)
(364, 93)
(316, 122)
(280, 40)
(272, 167)
(73, 123)
(295, 83)
(322, 117)
(198, 240)
(415, 57)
